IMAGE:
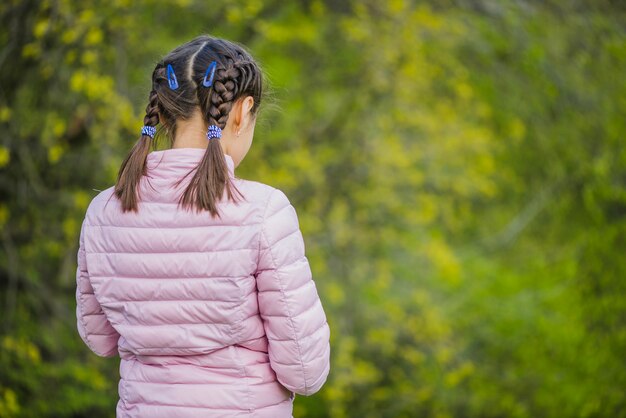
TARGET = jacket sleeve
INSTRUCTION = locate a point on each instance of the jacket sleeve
(93, 326)
(293, 317)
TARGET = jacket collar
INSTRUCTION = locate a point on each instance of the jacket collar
(177, 162)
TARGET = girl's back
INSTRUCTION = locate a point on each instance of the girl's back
(211, 316)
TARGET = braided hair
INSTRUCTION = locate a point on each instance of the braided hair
(134, 165)
(236, 76)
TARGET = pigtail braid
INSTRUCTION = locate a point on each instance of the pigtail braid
(220, 101)
(134, 166)
(152, 110)
(206, 188)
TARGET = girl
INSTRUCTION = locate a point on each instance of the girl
(196, 278)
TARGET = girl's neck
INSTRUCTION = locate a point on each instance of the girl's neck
(191, 133)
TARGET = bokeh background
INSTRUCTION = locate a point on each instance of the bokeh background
(458, 167)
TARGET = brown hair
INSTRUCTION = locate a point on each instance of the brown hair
(236, 76)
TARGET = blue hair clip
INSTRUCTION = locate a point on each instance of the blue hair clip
(171, 77)
(211, 69)
(214, 131)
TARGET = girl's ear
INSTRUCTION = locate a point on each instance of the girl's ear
(241, 110)
(249, 103)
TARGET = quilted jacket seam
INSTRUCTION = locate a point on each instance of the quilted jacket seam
(312, 334)
(307, 309)
(282, 291)
(165, 278)
(295, 231)
(169, 252)
(181, 406)
(204, 324)
(114, 302)
(201, 407)
(195, 347)
(160, 227)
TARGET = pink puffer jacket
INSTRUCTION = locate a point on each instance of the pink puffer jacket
(211, 317)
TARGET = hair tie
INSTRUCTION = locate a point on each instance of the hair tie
(171, 77)
(214, 131)
(211, 69)
(148, 130)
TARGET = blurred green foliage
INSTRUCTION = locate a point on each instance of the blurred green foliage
(459, 169)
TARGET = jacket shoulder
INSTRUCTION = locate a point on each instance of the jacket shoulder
(97, 204)
(265, 194)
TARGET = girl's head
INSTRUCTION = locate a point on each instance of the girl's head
(236, 90)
